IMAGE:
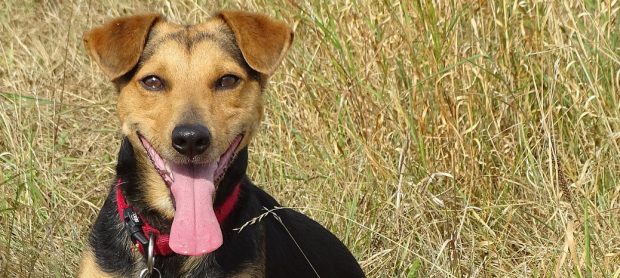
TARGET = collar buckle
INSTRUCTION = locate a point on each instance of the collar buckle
(134, 227)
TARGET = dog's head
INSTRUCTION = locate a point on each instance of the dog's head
(189, 100)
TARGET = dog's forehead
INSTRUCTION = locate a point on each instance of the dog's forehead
(192, 38)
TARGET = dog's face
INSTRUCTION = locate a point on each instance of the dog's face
(190, 96)
(193, 95)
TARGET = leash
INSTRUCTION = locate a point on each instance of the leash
(157, 243)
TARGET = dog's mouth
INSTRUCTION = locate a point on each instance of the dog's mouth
(165, 168)
(195, 229)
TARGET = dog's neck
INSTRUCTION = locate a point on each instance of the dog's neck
(130, 172)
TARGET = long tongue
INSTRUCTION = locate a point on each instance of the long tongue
(195, 230)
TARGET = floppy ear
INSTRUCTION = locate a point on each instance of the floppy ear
(262, 40)
(117, 45)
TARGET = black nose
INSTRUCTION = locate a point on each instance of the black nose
(191, 140)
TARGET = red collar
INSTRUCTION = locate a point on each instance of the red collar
(161, 247)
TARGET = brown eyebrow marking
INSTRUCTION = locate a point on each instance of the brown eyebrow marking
(225, 40)
(201, 37)
(182, 37)
(151, 47)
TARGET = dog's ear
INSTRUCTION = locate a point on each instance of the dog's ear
(262, 40)
(117, 45)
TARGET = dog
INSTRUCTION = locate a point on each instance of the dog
(181, 205)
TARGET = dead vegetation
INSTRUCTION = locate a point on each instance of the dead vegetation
(443, 138)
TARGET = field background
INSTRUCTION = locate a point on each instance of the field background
(444, 138)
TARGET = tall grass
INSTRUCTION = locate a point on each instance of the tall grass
(435, 138)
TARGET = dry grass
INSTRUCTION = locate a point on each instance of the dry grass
(454, 139)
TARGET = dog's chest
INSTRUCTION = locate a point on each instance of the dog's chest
(204, 267)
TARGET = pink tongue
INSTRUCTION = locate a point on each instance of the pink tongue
(195, 230)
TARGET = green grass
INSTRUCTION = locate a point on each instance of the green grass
(457, 139)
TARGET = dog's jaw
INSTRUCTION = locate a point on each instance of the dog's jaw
(195, 229)
(164, 167)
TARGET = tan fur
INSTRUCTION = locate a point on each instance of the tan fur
(189, 67)
(254, 270)
(251, 271)
(89, 268)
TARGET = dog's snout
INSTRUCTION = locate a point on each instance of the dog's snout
(191, 140)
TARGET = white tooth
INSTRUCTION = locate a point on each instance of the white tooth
(168, 170)
(167, 166)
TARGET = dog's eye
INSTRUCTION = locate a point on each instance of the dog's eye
(152, 83)
(228, 81)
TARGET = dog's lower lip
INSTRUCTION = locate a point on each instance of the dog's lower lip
(232, 148)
